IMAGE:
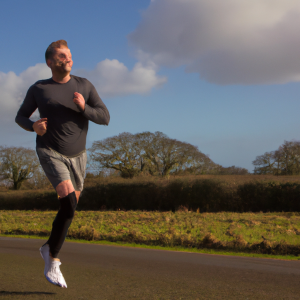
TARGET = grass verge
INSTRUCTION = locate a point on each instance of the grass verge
(256, 233)
(178, 249)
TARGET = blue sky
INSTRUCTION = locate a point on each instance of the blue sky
(221, 76)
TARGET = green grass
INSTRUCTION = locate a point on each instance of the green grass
(256, 233)
(178, 249)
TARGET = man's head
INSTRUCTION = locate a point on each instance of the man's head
(59, 58)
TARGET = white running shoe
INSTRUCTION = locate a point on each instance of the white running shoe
(45, 253)
(54, 274)
(52, 271)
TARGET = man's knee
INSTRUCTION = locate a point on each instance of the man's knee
(65, 188)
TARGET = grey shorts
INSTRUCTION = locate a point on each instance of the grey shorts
(58, 167)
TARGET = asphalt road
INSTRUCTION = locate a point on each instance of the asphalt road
(113, 272)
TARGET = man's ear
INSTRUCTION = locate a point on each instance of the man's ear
(48, 62)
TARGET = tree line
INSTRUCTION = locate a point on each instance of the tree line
(148, 153)
(283, 161)
(127, 155)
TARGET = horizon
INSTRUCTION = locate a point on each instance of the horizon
(224, 78)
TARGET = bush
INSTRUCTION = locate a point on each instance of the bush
(28, 200)
(270, 196)
(205, 195)
(198, 193)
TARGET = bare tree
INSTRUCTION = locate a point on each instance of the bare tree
(277, 156)
(154, 153)
(39, 180)
(120, 153)
(290, 156)
(264, 164)
(162, 155)
(17, 164)
(284, 161)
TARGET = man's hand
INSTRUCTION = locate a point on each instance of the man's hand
(40, 126)
(79, 100)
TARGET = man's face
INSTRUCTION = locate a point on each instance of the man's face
(61, 61)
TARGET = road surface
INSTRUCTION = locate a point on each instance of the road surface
(115, 272)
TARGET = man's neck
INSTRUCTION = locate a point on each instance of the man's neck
(59, 78)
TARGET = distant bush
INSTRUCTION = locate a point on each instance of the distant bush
(205, 195)
(29, 200)
(269, 196)
(197, 193)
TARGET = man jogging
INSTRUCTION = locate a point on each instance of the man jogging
(66, 103)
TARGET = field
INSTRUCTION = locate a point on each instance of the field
(266, 233)
(246, 213)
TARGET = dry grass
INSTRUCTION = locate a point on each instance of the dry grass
(269, 233)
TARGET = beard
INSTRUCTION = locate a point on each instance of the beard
(63, 66)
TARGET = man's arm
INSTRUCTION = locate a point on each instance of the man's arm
(27, 108)
(94, 109)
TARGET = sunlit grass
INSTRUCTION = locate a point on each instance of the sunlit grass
(269, 233)
(165, 248)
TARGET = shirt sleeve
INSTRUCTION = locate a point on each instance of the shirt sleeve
(27, 108)
(95, 110)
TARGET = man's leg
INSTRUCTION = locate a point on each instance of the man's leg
(60, 226)
(67, 176)
(68, 199)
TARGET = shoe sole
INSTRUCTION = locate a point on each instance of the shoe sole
(56, 284)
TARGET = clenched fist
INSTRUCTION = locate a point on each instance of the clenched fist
(40, 126)
(79, 100)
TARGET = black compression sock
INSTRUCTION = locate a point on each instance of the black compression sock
(62, 223)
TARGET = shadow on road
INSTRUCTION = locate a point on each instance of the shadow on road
(2, 293)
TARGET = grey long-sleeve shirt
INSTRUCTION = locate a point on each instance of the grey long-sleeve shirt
(67, 125)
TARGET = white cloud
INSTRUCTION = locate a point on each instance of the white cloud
(112, 78)
(226, 42)
(13, 89)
